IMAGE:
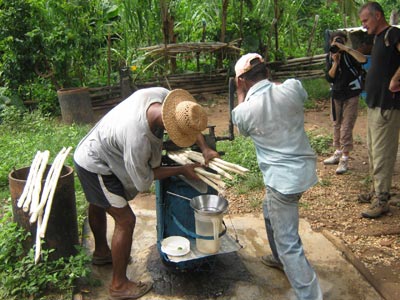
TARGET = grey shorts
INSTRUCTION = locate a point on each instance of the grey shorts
(101, 190)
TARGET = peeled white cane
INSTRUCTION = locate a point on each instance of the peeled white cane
(54, 180)
(38, 181)
(38, 244)
(46, 189)
(210, 183)
(31, 185)
(183, 160)
(212, 166)
(232, 165)
(218, 162)
(27, 186)
(226, 167)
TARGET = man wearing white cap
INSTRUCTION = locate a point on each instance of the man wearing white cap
(272, 115)
(121, 156)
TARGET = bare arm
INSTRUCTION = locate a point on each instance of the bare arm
(335, 64)
(207, 152)
(394, 85)
(361, 58)
(240, 90)
(186, 170)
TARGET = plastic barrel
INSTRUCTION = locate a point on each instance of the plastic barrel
(76, 106)
(62, 227)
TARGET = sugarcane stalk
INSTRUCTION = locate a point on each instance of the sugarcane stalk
(22, 198)
(229, 164)
(31, 187)
(197, 157)
(218, 160)
(219, 182)
(46, 189)
(210, 183)
(183, 160)
(38, 181)
(219, 170)
(54, 180)
(38, 245)
(227, 168)
(212, 165)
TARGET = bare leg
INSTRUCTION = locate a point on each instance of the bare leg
(121, 245)
(98, 225)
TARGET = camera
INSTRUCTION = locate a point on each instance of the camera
(334, 48)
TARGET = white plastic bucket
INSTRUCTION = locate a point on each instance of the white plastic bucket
(208, 225)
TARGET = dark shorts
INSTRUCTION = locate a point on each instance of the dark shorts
(101, 190)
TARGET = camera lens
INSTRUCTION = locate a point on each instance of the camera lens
(334, 49)
(339, 40)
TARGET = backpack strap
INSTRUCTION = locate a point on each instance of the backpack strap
(359, 74)
(386, 37)
(351, 67)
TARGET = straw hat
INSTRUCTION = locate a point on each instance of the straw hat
(183, 118)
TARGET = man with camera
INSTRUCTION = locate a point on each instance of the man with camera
(343, 65)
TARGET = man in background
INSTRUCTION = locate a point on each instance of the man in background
(383, 100)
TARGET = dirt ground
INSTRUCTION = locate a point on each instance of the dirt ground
(331, 206)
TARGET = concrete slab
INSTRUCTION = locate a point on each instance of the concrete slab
(234, 276)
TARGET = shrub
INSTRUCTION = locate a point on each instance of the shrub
(21, 278)
(322, 144)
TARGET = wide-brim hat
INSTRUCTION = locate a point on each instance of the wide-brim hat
(183, 117)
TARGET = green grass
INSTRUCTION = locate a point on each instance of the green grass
(317, 89)
(324, 182)
(241, 151)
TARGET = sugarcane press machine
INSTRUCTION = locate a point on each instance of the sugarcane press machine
(176, 217)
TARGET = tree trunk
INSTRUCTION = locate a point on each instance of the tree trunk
(241, 24)
(169, 36)
(276, 14)
(225, 4)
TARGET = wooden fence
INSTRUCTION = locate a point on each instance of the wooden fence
(303, 68)
(198, 83)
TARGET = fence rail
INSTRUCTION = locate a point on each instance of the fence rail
(305, 67)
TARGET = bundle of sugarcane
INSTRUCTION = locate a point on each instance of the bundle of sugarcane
(220, 166)
(39, 206)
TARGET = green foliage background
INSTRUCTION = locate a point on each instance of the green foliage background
(47, 44)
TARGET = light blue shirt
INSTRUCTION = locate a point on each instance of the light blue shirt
(273, 116)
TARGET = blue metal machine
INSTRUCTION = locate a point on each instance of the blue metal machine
(175, 216)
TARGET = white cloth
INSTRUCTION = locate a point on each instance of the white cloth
(121, 143)
(273, 116)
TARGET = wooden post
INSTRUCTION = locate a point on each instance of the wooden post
(125, 83)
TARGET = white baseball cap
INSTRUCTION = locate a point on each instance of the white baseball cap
(243, 64)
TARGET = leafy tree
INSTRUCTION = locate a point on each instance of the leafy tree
(19, 42)
(58, 41)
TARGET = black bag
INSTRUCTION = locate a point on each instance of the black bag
(362, 77)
